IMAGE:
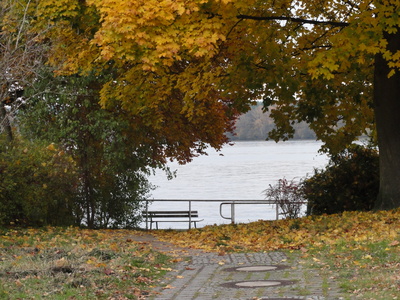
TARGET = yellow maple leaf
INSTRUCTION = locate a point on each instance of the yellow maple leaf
(51, 147)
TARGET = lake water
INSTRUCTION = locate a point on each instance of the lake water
(239, 172)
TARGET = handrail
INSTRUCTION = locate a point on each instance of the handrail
(234, 202)
(222, 202)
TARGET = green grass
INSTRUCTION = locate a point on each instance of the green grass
(367, 271)
(70, 263)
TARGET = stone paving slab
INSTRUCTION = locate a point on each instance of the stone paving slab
(203, 276)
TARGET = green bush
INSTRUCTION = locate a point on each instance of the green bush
(350, 182)
(37, 184)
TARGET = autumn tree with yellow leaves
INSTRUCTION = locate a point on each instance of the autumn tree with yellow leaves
(185, 69)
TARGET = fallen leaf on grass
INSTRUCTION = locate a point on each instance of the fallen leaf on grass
(91, 261)
(143, 279)
(61, 262)
(108, 271)
(18, 283)
(316, 259)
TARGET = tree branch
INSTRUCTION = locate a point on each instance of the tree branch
(23, 22)
(297, 20)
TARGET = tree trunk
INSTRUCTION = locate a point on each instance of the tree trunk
(387, 117)
(5, 122)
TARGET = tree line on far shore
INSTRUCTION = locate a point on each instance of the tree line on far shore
(257, 123)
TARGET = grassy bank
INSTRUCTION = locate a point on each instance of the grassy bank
(71, 263)
(359, 250)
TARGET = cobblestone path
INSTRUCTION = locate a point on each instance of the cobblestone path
(256, 276)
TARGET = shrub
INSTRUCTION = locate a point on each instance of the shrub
(287, 195)
(36, 185)
(350, 182)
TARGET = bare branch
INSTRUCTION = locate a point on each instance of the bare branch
(290, 19)
(23, 21)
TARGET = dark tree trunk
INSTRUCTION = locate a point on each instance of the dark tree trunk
(387, 117)
(87, 188)
(89, 199)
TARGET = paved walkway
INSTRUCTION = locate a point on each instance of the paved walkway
(271, 275)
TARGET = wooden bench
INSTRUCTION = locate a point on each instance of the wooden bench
(171, 216)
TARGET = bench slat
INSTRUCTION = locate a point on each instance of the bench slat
(154, 216)
(170, 221)
(172, 216)
(171, 212)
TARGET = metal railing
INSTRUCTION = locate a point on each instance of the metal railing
(232, 203)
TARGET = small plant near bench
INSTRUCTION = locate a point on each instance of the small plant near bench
(288, 196)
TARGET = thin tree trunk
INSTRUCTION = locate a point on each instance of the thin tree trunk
(387, 117)
(88, 190)
(5, 122)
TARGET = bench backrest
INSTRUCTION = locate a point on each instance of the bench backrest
(171, 214)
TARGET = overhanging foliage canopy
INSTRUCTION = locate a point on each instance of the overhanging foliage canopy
(185, 69)
(184, 64)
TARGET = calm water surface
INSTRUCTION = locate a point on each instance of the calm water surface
(239, 172)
